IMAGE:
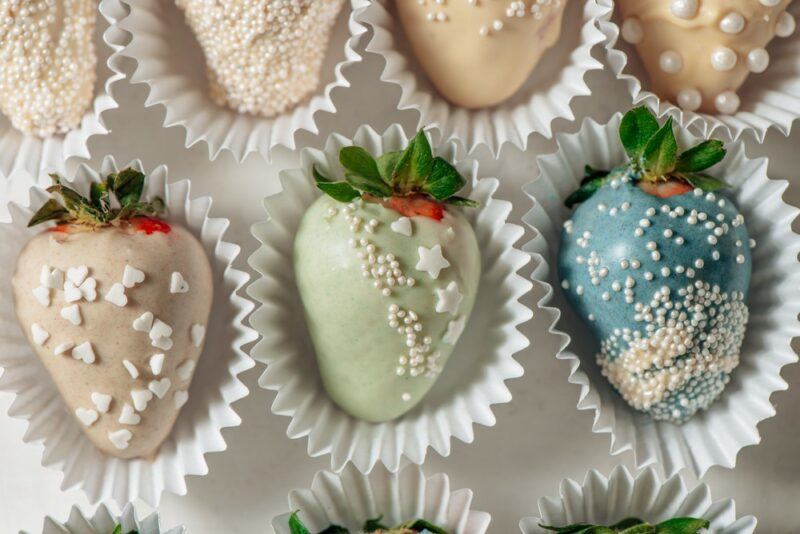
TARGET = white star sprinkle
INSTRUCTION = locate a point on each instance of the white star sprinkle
(454, 330)
(449, 299)
(432, 261)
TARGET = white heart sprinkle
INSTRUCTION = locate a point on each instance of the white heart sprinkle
(128, 416)
(72, 314)
(86, 416)
(157, 363)
(160, 329)
(84, 352)
(72, 293)
(120, 438)
(163, 343)
(101, 401)
(39, 334)
(402, 226)
(180, 398)
(144, 323)
(77, 275)
(160, 387)
(132, 370)
(132, 276)
(185, 370)
(51, 279)
(116, 295)
(89, 289)
(198, 333)
(177, 284)
(140, 398)
(63, 348)
(42, 295)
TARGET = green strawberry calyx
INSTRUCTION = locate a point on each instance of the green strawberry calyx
(654, 160)
(68, 206)
(632, 525)
(376, 526)
(411, 173)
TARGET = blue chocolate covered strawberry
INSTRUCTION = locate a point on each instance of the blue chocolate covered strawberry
(656, 260)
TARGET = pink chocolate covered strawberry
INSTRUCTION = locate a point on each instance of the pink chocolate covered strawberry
(115, 302)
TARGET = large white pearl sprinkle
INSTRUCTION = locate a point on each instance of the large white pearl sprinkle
(670, 62)
(786, 25)
(723, 58)
(758, 60)
(732, 23)
(683, 9)
(632, 31)
(690, 99)
(727, 102)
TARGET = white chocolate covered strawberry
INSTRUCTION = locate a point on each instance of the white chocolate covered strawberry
(115, 302)
(388, 270)
(47, 64)
(478, 54)
(698, 53)
(263, 56)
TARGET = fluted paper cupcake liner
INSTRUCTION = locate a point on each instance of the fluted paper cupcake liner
(716, 436)
(170, 63)
(604, 501)
(215, 387)
(474, 377)
(351, 498)
(104, 521)
(36, 155)
(545, 97)
(769, 100)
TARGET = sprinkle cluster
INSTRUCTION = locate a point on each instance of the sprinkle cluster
(47, 63)
(262, 56)
(722, 58)
(516, 9)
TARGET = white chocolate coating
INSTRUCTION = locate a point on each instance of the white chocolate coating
(47, 64)
(90, 364)
(262, 56)
(705, 47)
(478, 54)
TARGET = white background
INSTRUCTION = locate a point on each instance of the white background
(539, 438)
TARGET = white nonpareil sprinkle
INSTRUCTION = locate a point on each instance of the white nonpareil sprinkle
(262, 56)
(47, 64)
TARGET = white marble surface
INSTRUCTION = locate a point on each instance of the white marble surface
(539, 438)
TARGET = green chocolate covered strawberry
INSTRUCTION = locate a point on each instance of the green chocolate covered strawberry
(388, 270)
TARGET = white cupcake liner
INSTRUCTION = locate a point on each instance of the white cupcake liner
(350, 498)
(36, 155)
(214, 388)
(104, 521)
(716, 436)
(171, 65)
(769, 100)
(601, 500)
(545, 97)
(473, 379)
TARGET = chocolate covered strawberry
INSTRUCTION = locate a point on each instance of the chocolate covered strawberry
(115, 301)
(656, 260)
(698, 53)
(478, 54)
(388, 270)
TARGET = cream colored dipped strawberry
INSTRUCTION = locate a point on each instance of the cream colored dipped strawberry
(262, 56)
(388, 270)
(478, 54)
(115, 303)
(47, 64)
(698, 53)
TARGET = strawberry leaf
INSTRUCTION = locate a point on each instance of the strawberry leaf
(443, 181)
(638, 127)
(661, 152)
(463, 202)
(414, 166)
(296, 526)
(99, 195)
(387, 164)
(628, 522)
(701, 157)
(52, 210)
(643, 528)
(585, 191)
(127, 185)
(367, 185)
(358, 161)
(371, 525)
(422, 525)
(703, 181)
(682, 525)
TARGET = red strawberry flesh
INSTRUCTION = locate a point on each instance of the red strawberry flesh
(665, 189)
(416, 205)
